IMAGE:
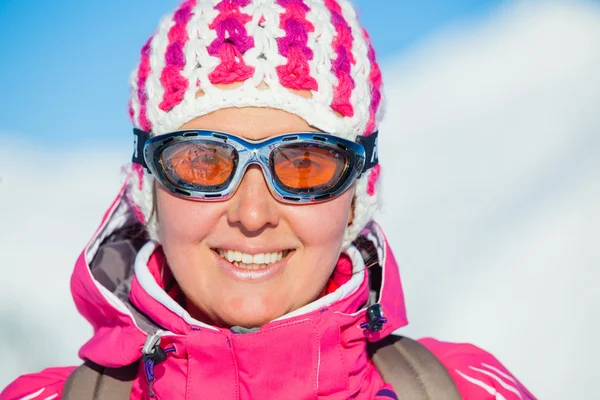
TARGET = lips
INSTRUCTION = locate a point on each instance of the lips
(246, 266)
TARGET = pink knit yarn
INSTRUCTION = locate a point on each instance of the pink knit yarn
(373, 177)
(375, 83)
(294, 45)
(130, 109)
(342, 45)
(138, 212)
(138, 170)
(231, 43)
(142, 77)
(174, 83)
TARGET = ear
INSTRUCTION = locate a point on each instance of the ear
(351, 214)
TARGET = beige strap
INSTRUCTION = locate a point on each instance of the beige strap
(414, 372)
(93, 382)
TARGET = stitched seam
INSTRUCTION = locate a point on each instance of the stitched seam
(318, 359)
(410, 362)
(188, 383)
(343, 360)
(237, 371)
(318, 345)
(98, 384)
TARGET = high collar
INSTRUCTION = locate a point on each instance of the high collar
(315, 351)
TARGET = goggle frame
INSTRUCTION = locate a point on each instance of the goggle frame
(254, 153)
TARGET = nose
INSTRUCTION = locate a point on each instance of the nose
(253, 207)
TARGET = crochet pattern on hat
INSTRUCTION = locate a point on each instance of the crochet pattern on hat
(231, 43)
(295, 74)
(174, 83)
(342, 46)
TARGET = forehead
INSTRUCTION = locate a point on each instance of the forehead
(251, 122)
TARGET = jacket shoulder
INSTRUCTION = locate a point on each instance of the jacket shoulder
(478, 374)
(45, 385)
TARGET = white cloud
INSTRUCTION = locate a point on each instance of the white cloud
(492, 199)
(52, 200)
(491, 186)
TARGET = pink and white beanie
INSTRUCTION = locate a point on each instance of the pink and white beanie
(311, 45)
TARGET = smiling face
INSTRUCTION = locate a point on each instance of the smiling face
(203, 241)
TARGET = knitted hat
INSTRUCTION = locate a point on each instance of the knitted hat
(312, 45)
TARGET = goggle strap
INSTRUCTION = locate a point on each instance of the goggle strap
(139, 139)
(368, 142)
(370, 145)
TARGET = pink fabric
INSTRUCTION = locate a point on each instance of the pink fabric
(478, 374)
(317, 355)
(44, 385)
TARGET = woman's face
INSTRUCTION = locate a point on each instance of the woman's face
(194, 233)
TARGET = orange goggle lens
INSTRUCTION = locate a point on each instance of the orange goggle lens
(308, 167)
(210, 166)
(200, 164)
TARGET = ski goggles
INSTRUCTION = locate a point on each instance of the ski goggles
(299, 167)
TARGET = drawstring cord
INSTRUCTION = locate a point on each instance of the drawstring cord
(153, 354)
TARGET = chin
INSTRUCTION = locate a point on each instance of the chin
(249, 316)
(247, 321)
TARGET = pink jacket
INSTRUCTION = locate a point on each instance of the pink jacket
(316, 352)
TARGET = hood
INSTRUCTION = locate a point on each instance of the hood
(115, 287)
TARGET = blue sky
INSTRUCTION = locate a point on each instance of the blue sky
(65, 64)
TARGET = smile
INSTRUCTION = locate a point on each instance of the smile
(252, 261)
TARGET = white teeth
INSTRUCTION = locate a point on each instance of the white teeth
(251, 261)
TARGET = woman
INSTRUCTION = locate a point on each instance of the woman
(240, 260)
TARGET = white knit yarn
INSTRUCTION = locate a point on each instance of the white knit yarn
(265, 58)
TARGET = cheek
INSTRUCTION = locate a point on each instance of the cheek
(322, 224)
(183, 221)
(320, 228)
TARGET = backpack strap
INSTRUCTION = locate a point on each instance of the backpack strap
(91, 381)
(414, 372)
